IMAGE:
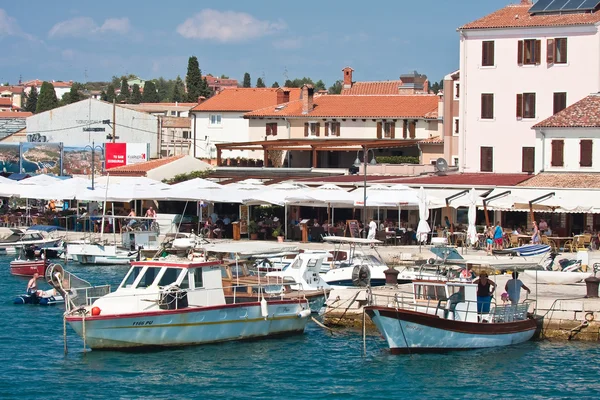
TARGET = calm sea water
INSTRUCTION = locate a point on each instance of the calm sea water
(316, 365)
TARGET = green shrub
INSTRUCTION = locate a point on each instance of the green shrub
(397, 160)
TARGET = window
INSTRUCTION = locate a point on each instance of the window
(556, 51)
(312, 129)
(131, 277)
(457, 90)
(456, 127)
(332, 128)
(585, 153)
(198, 278)
(529, 52)
(526, 105)
(560, 102)
(487, 159)
(389, 130)
(456, 161)
(170, 276)
(148, 277)
(185, 135)
(271, 129)
(558, 149)
(528, 159)
(215, 119)
(173, 113)
(487, 53)
(487, 106)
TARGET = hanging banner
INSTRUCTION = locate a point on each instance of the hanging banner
(119, 154)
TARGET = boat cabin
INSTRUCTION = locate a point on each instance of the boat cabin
(303, 273)
(155, 285)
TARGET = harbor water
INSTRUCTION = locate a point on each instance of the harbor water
(316, 365)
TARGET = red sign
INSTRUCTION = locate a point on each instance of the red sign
(115, 155)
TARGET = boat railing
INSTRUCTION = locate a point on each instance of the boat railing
(84, 296)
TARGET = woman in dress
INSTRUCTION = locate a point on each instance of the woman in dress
(535, 236)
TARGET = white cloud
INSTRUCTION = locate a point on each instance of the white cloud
(9, 26)
(81, 26)
(288, 44)
(227, 26)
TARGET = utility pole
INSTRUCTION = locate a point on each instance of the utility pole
(114, 135)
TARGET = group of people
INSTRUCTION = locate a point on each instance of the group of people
(486, 288)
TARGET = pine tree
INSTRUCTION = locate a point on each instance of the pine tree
(110, 93)
(150, 94)
(32, 99)
(193, 80)
(73, 95)
(206, 92)
(103, 96)
(124, 95)
(178, 94)
(336, 88)
(247, 81)
(320, 85)
(164, 89)
(136, 95)
(260, 83)
(275, 84)
(47, 100)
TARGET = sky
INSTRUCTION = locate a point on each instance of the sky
(92, 41)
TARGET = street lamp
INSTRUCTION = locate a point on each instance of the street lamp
(93, 149)
(357, 163)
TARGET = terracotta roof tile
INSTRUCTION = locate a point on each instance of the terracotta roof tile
(144, 167)
(15, 114)
(433, 140)
(383, 106)
(517, 16)
(56, 84)
(12, 89)
(6, 101)
(243, 99)
(583, 114)
(379, 87)
(176, 122)
(475, 179)
(563, 180)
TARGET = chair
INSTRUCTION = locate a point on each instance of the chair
(570, 245)
(459, 241)
(514, 240)
(587, 240)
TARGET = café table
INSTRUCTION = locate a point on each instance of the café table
(560, 241)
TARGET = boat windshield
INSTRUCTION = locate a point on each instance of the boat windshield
(371, 260)
(131, 277)
(169, 276)
(430, 292)
(149, 277)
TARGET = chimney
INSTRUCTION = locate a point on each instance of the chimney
(526, 2)
(307, 98)
(283, 96)
(347, 77)
(201, 99)
(426, 86)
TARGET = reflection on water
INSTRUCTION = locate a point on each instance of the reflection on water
(311, 366)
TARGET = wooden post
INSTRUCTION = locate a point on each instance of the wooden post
(314, 157)
(218, 156)
(265, 157)
(487, 217)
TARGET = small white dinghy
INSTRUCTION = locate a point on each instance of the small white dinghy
(557, 277)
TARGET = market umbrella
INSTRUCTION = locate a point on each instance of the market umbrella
(423, 228)
(471, 230)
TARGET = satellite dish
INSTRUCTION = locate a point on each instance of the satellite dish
(441, 165)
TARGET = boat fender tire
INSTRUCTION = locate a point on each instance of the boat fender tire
(361, 276)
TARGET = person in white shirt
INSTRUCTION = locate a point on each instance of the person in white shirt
(513, 288)
(372, 229)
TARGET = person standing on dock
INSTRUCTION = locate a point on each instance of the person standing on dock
(372, 229)
(513, 288)
(498, 236)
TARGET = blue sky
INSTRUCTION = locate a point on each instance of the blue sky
(69, 39)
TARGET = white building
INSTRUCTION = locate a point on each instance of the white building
(517, 68)
(220, 118)
(79, 124)
(60, 88)
(566, 141)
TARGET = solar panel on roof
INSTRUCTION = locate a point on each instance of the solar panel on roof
(557, 6)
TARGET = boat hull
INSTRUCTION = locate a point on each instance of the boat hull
(557, 277)
(414, 332)
(86, 259)
(192, 326)
(28, 268)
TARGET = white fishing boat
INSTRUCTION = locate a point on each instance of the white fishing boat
(98, 253)
(12, 239)
(352, 267)
(557, 277)
(442, 315)
(162, 303)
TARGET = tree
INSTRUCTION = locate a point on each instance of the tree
(164, 88)
(103, 96)
(275, 84)
(260, 83)
(124, 95)
(247, 81)
(206, 92)
(150, 95)
(136, 94)
(436, 87)
(223, 76)
(193, 80)
(178, 90)
(31, 100)
(320, 85)
(47, 100)
(288, 83)
(336, 88)
(73, 95)
(110, 93)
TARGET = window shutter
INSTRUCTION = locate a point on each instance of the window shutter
(528, 159)
(519, 106)
(392, 130)
(538, 52)
(456, 126)
(327, 129)
(274, 129)
(520, 52)
(268, 129)
(563, 50)
(318, 129)
(338, 128)
(484, 53)
(412, 129)
(557, 153)
(405, 129)
(487, 162)
(379, 130)
(306, 129)
(491, 51)
(550, 51)
(585, 148)
(532, 104)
